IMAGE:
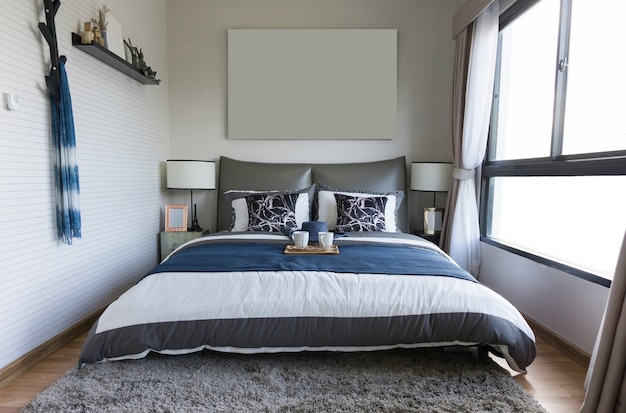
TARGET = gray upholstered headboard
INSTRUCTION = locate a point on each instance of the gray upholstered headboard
(380, 176)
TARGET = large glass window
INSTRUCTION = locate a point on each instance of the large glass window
(525, 98)
(596, 82)
(555, 175)
(562, 218)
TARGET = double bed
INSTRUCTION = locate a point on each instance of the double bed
(237, 291)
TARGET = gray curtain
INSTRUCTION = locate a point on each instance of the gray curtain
(463, 47)
(474, 72)
(606, 387)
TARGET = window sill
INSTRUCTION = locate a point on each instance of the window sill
(596, 279)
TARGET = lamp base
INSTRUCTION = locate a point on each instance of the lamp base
(195, 227)
(433, 218)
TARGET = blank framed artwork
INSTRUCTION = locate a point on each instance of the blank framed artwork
(312, 84)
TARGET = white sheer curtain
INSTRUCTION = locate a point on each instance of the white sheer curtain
(461, 232)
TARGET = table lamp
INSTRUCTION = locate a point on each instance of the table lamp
(431, 177)
(188, 174)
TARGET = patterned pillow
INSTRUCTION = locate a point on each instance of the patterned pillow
(360, 213)
(327, 205)
(272, 213)
(239, 207)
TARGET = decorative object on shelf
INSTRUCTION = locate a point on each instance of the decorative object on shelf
(189, 174)
(176, 217)
(431, 177)
(87, 36)
(115, 38)
(137, 60)
(97, 37)
(100, 25)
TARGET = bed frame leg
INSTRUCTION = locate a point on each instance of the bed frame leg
(482, 352)
(478, 352)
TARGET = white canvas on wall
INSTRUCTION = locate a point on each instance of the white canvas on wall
(312, 84)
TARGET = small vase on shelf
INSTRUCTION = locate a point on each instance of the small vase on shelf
(98, 36)
(103, 33)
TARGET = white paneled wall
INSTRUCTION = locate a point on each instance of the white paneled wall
(122, 132)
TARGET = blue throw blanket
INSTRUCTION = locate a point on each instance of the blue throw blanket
(373, 259)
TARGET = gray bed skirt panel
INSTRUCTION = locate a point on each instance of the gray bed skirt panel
(380, 176)
(259, 335)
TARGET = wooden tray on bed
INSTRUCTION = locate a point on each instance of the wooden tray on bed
(311, 249)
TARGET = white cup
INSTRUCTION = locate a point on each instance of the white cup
(325, 239)
(301, 238)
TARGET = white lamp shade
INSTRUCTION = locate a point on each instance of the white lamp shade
(185, 174)
(431, 176)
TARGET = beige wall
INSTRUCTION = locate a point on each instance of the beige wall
(197, 46)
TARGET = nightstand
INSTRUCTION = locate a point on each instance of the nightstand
(434, 238)
(170, 240)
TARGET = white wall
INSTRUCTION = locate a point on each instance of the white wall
(569, 306)
(198, 81)
(122, 130)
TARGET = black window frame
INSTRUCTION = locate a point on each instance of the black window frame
(557, 164)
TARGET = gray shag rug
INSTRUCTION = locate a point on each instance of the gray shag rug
(419, 380)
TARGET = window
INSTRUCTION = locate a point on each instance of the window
(554, 186)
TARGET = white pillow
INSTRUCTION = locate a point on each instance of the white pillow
(240, 208)
(327, 208)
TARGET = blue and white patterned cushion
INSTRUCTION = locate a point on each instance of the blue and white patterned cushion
(240, 213)
(272, 212)
(327, 205)
(360, 213)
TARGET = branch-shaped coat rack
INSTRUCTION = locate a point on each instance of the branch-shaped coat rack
(48, 30)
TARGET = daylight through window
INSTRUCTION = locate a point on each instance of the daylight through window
(554, 185)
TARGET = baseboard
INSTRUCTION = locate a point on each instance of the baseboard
(563, 345)
(41, 352)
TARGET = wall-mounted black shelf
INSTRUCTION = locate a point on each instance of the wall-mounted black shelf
(105, 55)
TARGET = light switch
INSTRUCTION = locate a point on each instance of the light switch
(13, 101)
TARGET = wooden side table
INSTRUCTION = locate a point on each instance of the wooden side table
(170, 240)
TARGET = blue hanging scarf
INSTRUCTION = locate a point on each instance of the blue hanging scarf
(65, 165)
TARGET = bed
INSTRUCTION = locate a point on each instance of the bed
(237, 291)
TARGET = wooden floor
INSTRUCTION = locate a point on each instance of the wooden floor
(553, 379)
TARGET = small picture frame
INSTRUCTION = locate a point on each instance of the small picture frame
(176, 217)
(433, 219)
